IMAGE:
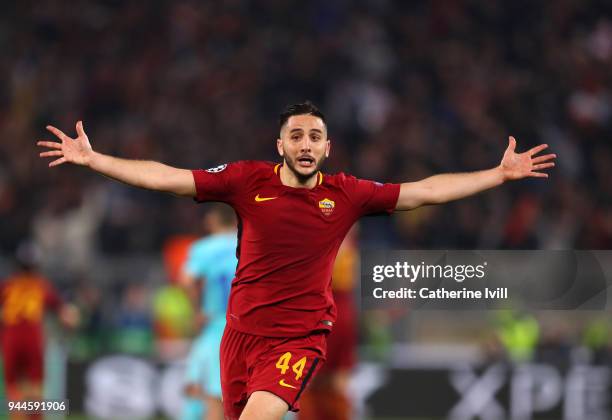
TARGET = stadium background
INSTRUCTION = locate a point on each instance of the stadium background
(409, 88)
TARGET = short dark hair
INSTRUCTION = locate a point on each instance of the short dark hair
(227, 215)
(304, 108)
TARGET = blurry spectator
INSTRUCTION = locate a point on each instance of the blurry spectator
(90, 339)
(378, 336)
(132, 322)
(64, 229)
(173, 321)
(555, 346)
(597, 338)
(173, 314)
(519, 334)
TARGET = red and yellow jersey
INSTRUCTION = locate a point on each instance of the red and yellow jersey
(346, 267)
(288, 239)
(24, 298)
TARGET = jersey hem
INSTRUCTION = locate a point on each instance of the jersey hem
(305, 333)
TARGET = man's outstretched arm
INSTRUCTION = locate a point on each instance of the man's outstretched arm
(443, 188)
(139, 173)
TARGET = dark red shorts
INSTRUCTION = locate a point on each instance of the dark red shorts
(22, 354)
(282, 366)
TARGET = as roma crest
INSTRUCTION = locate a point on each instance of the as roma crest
(327, 206)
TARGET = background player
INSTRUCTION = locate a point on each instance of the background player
(209, 271)
(326, 398)
(281, 299)
(24, 298)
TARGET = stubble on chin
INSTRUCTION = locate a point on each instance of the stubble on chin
(303, 178)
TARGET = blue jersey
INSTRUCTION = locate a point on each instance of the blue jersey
(214, 259)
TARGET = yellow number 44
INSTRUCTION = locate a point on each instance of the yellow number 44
(297, 368)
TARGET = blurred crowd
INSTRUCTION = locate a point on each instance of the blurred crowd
(410, 89)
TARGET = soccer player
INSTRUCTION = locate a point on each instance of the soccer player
(210, 267)
(25, 297)
(326, 397)
(292, 219)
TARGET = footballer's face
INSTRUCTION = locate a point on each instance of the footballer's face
(304, 145)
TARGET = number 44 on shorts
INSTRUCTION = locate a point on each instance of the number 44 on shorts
(297, 368)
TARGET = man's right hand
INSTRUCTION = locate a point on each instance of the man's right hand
(139, 173)
(77, 151)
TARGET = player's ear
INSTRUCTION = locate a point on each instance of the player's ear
(327, 148)
(279, 146)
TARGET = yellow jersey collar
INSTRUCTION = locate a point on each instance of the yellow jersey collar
(319, 173)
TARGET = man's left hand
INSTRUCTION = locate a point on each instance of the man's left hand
(521, 165)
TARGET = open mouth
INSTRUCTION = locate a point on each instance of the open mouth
(306, 161)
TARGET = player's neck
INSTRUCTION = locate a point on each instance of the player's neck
(222, 230)
(290, 179)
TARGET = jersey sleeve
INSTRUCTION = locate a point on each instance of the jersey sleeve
(371, 197)
(221, 183)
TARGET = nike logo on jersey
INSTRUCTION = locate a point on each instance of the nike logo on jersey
(260, 199)
(286, 385)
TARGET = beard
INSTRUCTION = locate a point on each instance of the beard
(302, 176)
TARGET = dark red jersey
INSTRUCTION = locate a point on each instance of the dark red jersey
(288, 241)
(24, 299)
